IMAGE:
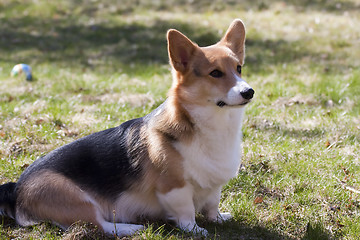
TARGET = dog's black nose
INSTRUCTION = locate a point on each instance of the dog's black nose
(248, 93)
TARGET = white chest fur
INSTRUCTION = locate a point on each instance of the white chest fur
(213, 156)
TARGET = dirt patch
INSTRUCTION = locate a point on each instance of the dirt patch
(298, 99)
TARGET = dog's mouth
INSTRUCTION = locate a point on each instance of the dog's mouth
(224, 104)
(221, 104)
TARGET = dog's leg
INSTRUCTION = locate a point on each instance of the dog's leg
(51, 196)
(211, 208)
(179, 205)
(120, 229)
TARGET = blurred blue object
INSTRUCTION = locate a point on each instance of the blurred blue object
(22, 68)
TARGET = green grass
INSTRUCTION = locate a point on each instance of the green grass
(99, 63)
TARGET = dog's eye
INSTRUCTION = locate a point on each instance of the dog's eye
(216, 74)
(238, 69)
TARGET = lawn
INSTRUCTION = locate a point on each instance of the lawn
(98, 63)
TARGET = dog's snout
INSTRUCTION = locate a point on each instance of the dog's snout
(248, 93)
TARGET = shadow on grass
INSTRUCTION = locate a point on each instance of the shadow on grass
(233, 230)
(88, 46)
(61, 37)
(285, 131)
(299, 134)
(316, 232)
(230, 230)
(7, 222)
(68, 43)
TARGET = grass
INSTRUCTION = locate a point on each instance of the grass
(100, 63)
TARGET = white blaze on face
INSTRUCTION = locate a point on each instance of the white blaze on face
(234, 94)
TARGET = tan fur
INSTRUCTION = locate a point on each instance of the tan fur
(59, 200)
(172, 123)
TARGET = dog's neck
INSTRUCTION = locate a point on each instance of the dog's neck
(215, 119)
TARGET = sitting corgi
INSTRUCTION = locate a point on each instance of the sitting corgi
(169, 164)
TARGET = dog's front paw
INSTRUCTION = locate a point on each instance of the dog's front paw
(200, 230)
(221, 217)
(121, 229)
(127, 229)
(133, 228)
(194, 229)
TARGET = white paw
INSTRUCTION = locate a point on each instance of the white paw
(200, 230)
(133, 228)
(223, 217)
(194, 229)
(122, 230)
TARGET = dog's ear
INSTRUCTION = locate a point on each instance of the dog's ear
(234, 39)
(180, 49)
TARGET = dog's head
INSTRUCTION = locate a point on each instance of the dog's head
(210, 75)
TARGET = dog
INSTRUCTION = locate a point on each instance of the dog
(169, 164)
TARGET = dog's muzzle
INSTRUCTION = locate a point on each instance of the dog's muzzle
(247, 94)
